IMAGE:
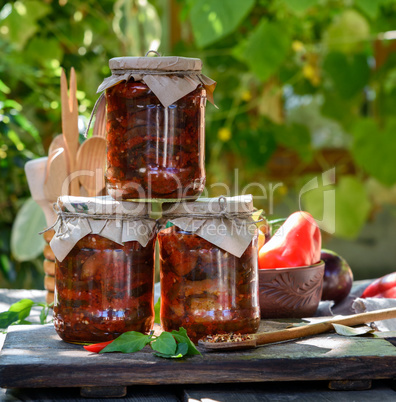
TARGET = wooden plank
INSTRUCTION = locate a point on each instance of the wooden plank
(34, 356)
(268, 392)
(103, 392)
(350, 385)
(134, 394)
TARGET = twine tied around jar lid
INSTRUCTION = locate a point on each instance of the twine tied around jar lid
(62, 216)
(117, 221)
(223, 213)
(226, 222)
(170, 78)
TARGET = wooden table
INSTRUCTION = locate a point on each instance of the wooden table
(36, 365)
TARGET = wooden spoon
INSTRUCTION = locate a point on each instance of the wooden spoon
(70, 125)
(56, 182)
(57, 142)
(300, 332)
(91, 161)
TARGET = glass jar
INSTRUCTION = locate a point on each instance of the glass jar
(104, 269)
(205, 289)
(103, 289)
(154, 152)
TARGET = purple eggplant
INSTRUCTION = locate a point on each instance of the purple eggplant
(338, 277)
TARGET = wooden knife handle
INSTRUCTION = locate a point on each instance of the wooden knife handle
(321, 327)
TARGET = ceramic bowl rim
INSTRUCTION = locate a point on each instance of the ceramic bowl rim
(317, 265)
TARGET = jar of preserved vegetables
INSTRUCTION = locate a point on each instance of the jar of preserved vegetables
(104, 276)
(208, 266)
(156, 128)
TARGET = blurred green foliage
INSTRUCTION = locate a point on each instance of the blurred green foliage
(303, 86)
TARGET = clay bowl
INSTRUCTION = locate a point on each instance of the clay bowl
(290, 292)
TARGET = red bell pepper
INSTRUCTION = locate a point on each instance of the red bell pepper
(382, 287)
(97, 347)
(296, 243)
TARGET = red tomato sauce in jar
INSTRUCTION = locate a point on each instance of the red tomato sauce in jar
(205, 289)
(103, 289)
(154, 152)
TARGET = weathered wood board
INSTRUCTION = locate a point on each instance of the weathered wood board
(35, 357)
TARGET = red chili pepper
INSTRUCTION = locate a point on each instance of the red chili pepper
(97, 347)
(296, 243)
(382, 287)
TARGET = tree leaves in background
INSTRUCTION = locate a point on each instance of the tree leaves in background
(347, 33)
(214, 19)
(265, 49)
(374, 149)
(20, 24)
(369, 7)
(157, 311)
(296, 137)
(26, 243)
(137, 25)
(43, 50)
(349, 73)
(349, 212)
(301, 6)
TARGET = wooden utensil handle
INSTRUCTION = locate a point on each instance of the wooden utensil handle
(321, 327)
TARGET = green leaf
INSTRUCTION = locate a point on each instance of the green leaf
(165, 356)
(43, 313)
(369, 7)
(300, 6)
(344, 111)
(346, 213)
(296, 137)
(4, 88)
(348, 32)
(21, 22)
(36, 9)
(157, 311)
(349, 73)
(182, 348)
(349, 331)
(128, 342)
(26, 243)
(43, 50)
(214, 19)
(182, 337)
(7, 318)
(22, 307)
(165, 344)
(374, 149)
(181, 351)
(265, 49)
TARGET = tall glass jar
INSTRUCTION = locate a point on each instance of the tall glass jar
(103, 288)
(204, 288)
(156, 128)
(153, 151)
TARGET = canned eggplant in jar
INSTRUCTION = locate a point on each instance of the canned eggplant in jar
(156, 128)
(104, 279)
(209, 270)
